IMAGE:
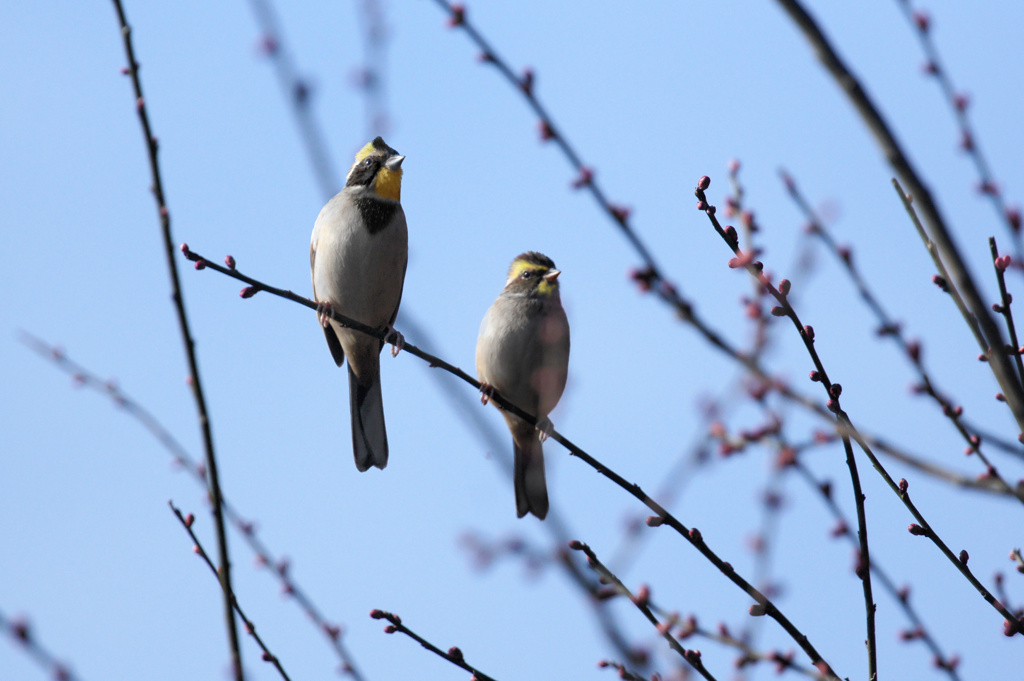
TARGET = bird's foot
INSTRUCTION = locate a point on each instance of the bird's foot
(486, 392)
(323, 313)
(396, 339)
(544, 428)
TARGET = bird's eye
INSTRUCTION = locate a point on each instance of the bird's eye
(368, 162)
(527, 274)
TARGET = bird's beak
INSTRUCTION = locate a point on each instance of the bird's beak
(552, 275)
(394, 164)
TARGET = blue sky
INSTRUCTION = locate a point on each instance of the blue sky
(653, 95)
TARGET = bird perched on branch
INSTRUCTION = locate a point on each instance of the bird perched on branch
(523, 354)
(357, 257)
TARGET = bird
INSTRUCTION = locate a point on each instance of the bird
(522, 353)
(358, 255)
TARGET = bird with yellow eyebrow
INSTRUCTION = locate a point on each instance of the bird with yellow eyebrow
(522, 352)
(357, 257)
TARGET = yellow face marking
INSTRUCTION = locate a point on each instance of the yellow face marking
(365, 151)
(388, 184)
(520, 266)
(545, 287)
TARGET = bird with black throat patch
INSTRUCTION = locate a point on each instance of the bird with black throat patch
(358, 254)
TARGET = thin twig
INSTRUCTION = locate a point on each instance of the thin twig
(832, 390)
(901, 596)
(959, 102)
(943, 279)
(371, 78)
(187, 522)
(1001, 263)
(748, 655)
(453, 655)
(298, 93)
(621, 669)
(21, 634)
(642, 601)
(189, 343)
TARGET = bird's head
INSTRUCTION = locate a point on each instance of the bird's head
(378, 168)
(533, 274)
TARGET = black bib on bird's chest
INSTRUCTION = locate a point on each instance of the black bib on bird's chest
(376, 212)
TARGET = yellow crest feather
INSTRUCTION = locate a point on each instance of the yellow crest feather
(365, 151)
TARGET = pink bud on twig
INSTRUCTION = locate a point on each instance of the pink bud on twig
(526, 82)
(922, 20)
(1010, 627)
(620, 213)
(643, 596)
(1013, 217)
(584, 179)
(457, 16)
(988, 187)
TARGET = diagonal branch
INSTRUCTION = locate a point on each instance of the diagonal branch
(641, 600)
(21, 633)
(454, 654)
(958, 102)
(763, 605)
(746, 261)
(961, 276)
(186, 522)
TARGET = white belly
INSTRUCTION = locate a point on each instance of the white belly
(360, 274)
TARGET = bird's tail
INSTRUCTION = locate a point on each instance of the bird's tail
(531, 487)
(369, 436)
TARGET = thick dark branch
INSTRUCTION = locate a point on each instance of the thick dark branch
(961, 276)
(186, 336)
